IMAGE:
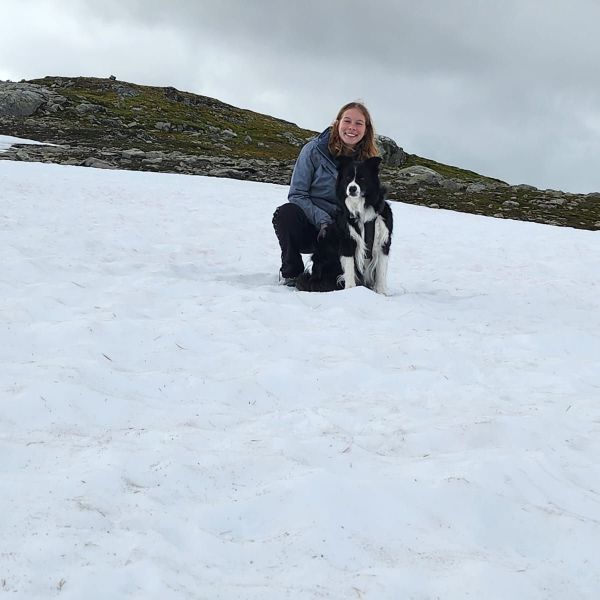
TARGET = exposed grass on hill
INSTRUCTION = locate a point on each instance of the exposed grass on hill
(203, 126)
(448, 171)
(198, 121)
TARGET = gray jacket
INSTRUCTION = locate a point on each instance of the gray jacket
(313, 181)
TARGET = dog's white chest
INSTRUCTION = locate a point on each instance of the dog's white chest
(355, 206)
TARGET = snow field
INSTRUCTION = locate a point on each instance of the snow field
(174, 424)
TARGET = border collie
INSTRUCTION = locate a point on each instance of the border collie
(355, 248)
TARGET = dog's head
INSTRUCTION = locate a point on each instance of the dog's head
(359, 179)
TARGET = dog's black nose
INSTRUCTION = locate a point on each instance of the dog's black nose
(352, 190)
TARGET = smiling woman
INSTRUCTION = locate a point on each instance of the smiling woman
(352, 127)
(312, 198)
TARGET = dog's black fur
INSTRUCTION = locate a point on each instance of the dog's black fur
(355, 247)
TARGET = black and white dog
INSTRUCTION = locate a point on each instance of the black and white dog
(355, 248)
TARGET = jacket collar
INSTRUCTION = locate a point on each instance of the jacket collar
(323, 146)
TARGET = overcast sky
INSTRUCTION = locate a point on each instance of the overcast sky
(510, 89)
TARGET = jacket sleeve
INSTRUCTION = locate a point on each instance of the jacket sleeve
(299, 193)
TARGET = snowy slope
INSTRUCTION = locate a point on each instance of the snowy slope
(174, 424)
(7, 141)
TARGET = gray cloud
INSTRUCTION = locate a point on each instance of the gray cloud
(510, 90)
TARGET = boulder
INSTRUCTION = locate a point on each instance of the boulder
(525, 187)
(417, 175)
(21, 99)
(289, 137)
(227, 134)
(86, 108)
(476, 188)
(453, 185)
(230, 173)
(391, 153)
(97, 163)
(158, 154)
(510, 204)
(125, 91)
(133, 153)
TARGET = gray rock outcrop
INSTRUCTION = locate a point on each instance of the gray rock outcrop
(391, 153)
(25, 99)
(20, 99)
(418, 175)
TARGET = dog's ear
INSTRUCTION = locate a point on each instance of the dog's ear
(344, 161)
(374, 162)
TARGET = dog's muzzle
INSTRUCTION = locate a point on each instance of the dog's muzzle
(352, 190)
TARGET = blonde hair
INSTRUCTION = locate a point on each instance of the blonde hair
(366, 148)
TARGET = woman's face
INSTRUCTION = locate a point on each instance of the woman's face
(352, 126)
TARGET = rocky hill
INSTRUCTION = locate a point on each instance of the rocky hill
(108, 123)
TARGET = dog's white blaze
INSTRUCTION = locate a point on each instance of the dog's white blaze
(358, 191)
(355, 201)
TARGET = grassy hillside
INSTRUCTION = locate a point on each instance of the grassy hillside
(116, 124)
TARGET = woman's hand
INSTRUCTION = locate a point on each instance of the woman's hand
(322, 231)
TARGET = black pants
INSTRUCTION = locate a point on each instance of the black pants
(296, 235)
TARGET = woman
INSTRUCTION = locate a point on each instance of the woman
(312, 198)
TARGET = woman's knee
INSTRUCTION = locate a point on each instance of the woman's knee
(288, 213)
